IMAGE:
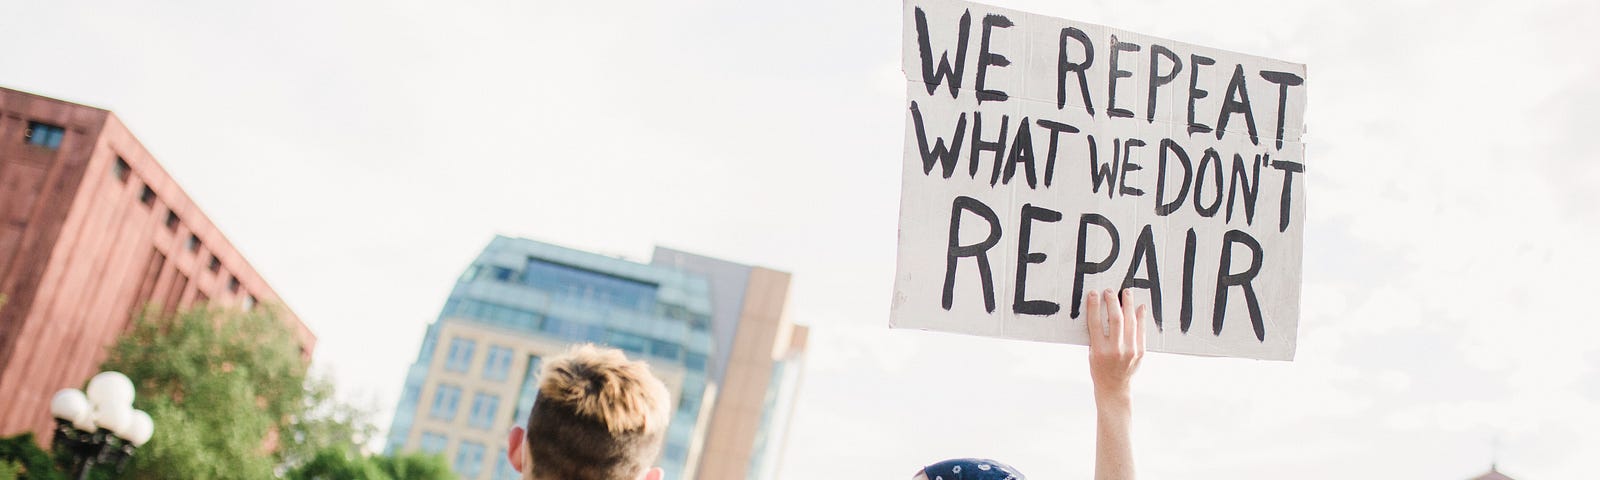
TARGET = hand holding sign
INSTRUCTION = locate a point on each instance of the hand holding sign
(1116, 341)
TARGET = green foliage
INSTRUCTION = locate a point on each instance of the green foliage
(338, 464)
(219, 384)
(415, 466)
(231, 399)
(21, 457)
(325, 423)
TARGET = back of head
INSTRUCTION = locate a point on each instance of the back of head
(598, 416)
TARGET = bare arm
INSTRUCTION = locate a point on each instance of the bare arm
(1116, 344)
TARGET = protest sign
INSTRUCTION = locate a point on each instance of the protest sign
(1047, 158)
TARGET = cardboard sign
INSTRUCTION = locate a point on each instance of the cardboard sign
(1046, 158)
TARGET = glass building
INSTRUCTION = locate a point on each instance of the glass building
(694, 319)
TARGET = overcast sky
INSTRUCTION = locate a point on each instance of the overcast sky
(361, 155)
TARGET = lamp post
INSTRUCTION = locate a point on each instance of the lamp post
(100, 428)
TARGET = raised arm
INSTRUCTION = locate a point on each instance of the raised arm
(1116, 344)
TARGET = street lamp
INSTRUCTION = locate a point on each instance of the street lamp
(101, 427)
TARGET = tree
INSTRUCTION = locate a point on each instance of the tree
(21, 457)
(230, 397)
(220, 385)
(415, 466)
(338, 464)
(325, 423)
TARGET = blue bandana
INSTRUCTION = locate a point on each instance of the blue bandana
(971, 469)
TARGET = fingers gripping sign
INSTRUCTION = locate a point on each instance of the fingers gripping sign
(1116, 339)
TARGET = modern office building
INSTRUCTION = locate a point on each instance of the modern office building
(713, 330)
(91, 230)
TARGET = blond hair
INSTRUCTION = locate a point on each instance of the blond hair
(598, 416)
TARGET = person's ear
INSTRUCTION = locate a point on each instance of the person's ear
(514, 447)
(654, 473)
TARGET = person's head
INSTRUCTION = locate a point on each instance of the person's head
(598, 416)
(968, 469)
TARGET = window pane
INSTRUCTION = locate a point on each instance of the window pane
(469, 459)
(120, 170)
(433, 443)
(44, 135)
(445, 401)
(460, 358)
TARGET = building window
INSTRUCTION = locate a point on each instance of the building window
(503, 469)
(120, 170)
(498, 364)
(445, 401)
(589, 286)
(193, 244)
(469, 459)
(152, 272)
(694, 361)
(460, 359)
(484, 407)
(433, 443)
(215, 265)
(148, 196)
(172, 221)
(529, 391)
(502, 273)
(44, 135)
(180, 282)
(233, 284)
(249, 302)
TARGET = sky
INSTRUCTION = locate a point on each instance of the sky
(361, 154)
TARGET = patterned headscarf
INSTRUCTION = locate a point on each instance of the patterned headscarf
(971, 469)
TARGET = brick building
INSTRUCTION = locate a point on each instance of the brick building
(91, 230)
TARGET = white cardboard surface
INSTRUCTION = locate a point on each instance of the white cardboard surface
(1036, 91)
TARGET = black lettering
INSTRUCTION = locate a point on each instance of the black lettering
(1163, 208)
(1111, 91)
(945, 157)
(1227, 280)
(930, 76)
(1237, 100)
(1020, 304)
(1064, 64)
(1021, 152)
(1195, 93)
(1144, 253)
(1289, 169)
(986, 58)
(1159, 79)
(1050, 156)
(1284, 80)
(1129, 166)
(1085, 267)
(1206, 159)
(979, 250)
(1107, 172)
(979, 145)
(1251, 184)
(1186, 311)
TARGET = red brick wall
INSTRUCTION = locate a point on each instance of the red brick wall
(87, 251)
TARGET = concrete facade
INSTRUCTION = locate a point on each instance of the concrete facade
(756, 343)
(92, 229)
